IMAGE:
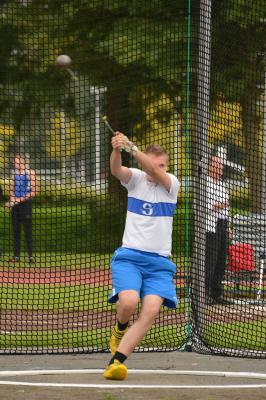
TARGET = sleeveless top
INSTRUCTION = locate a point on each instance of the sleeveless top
(22, 184)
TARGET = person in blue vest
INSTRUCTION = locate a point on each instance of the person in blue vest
(22, 190)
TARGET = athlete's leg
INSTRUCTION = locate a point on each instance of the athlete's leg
(126, 305)
(151, 305)
(220, 265)
(16, 220)
(26, 217)
(150, 309)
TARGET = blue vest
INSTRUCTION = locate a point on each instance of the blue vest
(21, 185)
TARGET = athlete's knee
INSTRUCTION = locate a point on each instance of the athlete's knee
(150, 313)
(128, 301)
(151, 307)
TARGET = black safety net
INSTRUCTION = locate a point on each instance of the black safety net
(187, 75)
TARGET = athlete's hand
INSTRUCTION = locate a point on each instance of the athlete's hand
(119, 141)
(9, 204)
(12, 202)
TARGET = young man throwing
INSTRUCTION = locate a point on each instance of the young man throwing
(141, 268)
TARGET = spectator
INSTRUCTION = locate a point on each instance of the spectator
(216, 231)
(22, 190)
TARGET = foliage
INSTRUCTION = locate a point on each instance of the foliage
(239, 40)
(112, 44)
(116, 32)
(226, 123)
(239, 200)
(160, 123)
(237, 66)
(7, 133)
(64, 138)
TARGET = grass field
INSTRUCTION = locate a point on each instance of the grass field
(238, 335)
(61, 303)
(61, 260)
(164, 337)
(81, 237)
(225, 336)
(54, 298)
(94, 226)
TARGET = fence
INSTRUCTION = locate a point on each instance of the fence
(188, 75)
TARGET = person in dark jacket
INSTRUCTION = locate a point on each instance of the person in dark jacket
(216, 231)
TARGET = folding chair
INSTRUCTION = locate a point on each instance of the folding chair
(241, 265)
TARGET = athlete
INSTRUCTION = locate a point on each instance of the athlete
(22, 190)
(141, 267)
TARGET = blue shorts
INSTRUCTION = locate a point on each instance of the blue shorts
(146, 273)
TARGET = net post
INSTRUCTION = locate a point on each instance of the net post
(202, 122)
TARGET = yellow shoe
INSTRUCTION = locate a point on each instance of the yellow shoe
(116, 371)
(116, 338)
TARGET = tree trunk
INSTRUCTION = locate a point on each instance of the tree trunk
(252, 140)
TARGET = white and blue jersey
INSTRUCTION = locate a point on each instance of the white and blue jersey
(150, 214)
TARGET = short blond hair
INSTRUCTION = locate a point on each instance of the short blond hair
(155, 149)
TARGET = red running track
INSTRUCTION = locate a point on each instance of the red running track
(48, 276)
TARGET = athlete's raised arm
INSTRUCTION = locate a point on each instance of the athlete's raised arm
(117, 169)
(155, 167)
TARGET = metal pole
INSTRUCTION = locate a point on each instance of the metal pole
(264, 143)
(262, 266)
(176, 142)
(202, 123)
(97, 91)
(97, 139)
(63, 145)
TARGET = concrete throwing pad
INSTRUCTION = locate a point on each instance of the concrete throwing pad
(165, 376)
(137, 379)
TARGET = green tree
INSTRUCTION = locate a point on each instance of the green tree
(64, 139)
(226, 123)
(132, 48)
(7, 133)
(121, 45)
(30, 41)
(238, 42)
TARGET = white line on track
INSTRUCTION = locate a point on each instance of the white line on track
(126, 386)
(249, 375)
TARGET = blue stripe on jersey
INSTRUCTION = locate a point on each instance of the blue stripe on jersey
(148, 209)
